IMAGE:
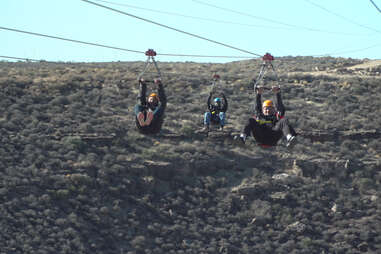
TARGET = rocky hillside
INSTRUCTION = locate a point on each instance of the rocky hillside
(76, 177)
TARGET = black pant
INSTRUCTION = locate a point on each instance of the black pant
(267, 135)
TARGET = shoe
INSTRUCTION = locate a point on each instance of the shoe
(239, 139)
(141, 120)
(205, 129)
(221, 128)
(291, 142)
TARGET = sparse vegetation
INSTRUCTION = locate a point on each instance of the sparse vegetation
(76, 177)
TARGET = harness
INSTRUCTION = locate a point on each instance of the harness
(150, 53)
(215, 110)
(265, 146)
(215, 113)
(215, 82)
(261, 121)
(266, 64)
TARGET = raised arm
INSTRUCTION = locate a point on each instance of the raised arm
(208, 102)
(225, 108)
(258, 104)
(278, 101)
(142, 92)
(161, 93)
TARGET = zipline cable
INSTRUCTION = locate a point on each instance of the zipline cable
(375, 5)
(171, 28)
(184, 55)
(71, 40)
(205, 76)
(164, 54)
(261, 18)
(112, 47)
(220, 21)
(348, 51)
(20, 58)
(186, 16)
(342, 17)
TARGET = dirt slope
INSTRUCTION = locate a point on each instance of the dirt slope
(76, 176)
(366, 65)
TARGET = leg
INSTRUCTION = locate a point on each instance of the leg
(286, 129)
(149, 118)
(139, 113)
(284, 126)
(154, 116)
(252, 127)
(207, 117)
(262, 134)
(222, 116)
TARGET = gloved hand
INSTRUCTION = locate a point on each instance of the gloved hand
(275, 89)
(157, 81)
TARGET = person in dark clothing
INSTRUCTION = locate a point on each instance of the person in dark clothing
(216, 113)
(149, 111)
(269, 124)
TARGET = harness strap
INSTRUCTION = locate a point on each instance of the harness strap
(265, 146)
(215, 81)
(267, 64)
(278, 115)
(150, 53)
(263, 121)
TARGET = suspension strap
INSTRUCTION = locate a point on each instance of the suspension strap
(216, 77)
(266, 64)
(215, 81)
(150, 53)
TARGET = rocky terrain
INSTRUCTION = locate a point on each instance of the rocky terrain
(76, 176)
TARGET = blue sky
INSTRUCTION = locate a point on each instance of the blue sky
(339, 28)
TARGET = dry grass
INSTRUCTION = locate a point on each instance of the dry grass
(69, 186)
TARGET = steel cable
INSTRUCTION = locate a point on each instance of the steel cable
(375, 5)
(342, 17)
(171, 28)
(71, 40)
(112, 47)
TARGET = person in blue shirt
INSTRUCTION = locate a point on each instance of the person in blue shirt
(216, 113)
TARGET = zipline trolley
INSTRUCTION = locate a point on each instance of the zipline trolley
(150, 53)
(266, 65)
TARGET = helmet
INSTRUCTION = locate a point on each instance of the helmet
(154, 95)
(217, 100)
(267, 103)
